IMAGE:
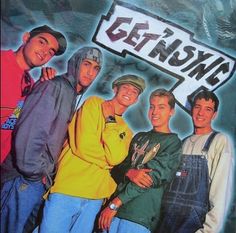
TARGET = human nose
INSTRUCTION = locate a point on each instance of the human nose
(200, 111)
(129, 91)
(46, 52)
(90, 71)
(155, 111)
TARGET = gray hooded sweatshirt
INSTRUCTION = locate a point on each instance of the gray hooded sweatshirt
(42, 126)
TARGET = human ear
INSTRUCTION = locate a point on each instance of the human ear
(137, 98)
(115, 90)
(214, 115)
(172, 112)
(26, 37)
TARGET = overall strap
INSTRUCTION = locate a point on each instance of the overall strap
(209, 141)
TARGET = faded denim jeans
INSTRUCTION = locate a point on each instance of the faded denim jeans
(119, 225)
(69, 214)
(18, 198)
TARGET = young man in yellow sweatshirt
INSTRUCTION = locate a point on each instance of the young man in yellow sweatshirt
(99, 138)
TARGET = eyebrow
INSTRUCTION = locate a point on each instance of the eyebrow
(90, 61)
(208, 107)
(163, 105)
(43, 38)
(87, 60)
(159, 105)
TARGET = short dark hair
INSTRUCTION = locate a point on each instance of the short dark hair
(163, 92)
(207, 95)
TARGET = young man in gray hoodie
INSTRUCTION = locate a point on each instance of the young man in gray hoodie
(39, 136)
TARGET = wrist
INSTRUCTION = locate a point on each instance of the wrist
(129, 173)
(115, 204)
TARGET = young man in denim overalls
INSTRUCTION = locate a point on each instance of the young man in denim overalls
(198, 198)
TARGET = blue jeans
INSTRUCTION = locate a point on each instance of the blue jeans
(119, 225)
(18, 198)
(64, 214)
(185, 202)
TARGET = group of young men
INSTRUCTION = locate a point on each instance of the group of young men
(83, 165)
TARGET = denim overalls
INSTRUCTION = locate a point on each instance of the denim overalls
(186, 199)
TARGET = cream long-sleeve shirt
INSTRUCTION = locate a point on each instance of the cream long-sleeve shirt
(221, 171)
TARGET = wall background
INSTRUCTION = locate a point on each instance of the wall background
(212, 22)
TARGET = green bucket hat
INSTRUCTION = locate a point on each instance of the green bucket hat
(130, 79)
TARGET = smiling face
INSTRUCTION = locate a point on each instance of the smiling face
(126, 94)
(159, 113)
(39, 49)
(202, 114)
(88, 71)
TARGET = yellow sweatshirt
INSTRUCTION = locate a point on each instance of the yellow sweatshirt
(93, 149)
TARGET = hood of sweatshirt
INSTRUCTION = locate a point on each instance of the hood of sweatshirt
(73, 67)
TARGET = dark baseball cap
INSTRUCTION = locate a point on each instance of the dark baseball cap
(130, 79)
(58, 35)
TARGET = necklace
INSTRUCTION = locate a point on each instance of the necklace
(193, 139)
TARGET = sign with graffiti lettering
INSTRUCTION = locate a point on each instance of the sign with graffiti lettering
(127, 29)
